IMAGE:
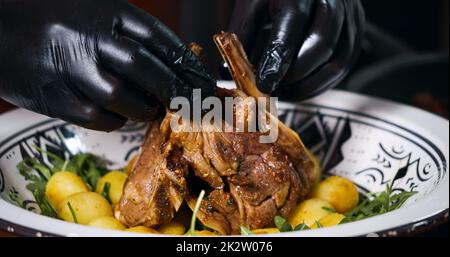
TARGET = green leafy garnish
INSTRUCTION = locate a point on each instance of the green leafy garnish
(328, 209)
(246, 231)
(191, 231)
(88, 166)
(376, 204)
(301, 227)
(318, 224)
(282, 224)
(28, 164)
(105, 192)
(74, 217)
(38, 182)
(14, 196)
(65, 165)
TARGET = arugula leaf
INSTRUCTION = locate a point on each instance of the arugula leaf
(398, 200)
(282, 224)
(191, 231)
(74, 217)
(376, 204)
(328, 209)
(301, 227)
(246, 231)
(37, 184)
(64, 167)
(29, 164)
(93, 174)
(318, 224)
(14, 196)
(57, 162)
(105, 192)
(88, 166)
(38, 190)
(52, 155)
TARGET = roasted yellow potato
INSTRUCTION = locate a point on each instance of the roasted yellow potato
(332, 219)
(263, 231)
(142, 230)
(87, 206)
(173, 228)
(204, 233)
(130, 164)
(338, 191)
(117, 180)
(107, 223)
(310, 211)
(62, 185)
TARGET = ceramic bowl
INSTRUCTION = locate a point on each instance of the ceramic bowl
(370, 141)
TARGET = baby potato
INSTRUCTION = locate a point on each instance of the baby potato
(130, 164)
(310, 211)
(142, 230)
(263, 231)
(204, 233)
(173, 228)
(117, 180)
(338, 191)
(62, 185)
(87, 206)
(332, 219)
(107, 223)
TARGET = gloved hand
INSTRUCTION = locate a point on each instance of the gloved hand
(93, 63)
(310, 47)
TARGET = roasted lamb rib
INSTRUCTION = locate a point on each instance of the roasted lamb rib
(247, 182)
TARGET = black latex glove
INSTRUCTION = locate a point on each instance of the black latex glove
(310, 47)
(92, 63)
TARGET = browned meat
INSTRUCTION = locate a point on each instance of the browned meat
(247, 182)
(156, 188)
(257, 182)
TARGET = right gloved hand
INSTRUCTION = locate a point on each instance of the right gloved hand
(310, 45)
(93, 63)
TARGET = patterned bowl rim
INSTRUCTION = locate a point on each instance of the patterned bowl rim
(423, 215)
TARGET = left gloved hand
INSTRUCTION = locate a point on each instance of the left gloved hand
(311, 46)
(95, 64)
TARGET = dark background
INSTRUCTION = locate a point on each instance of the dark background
(423, 25)
(411, 36)
(417, 26)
